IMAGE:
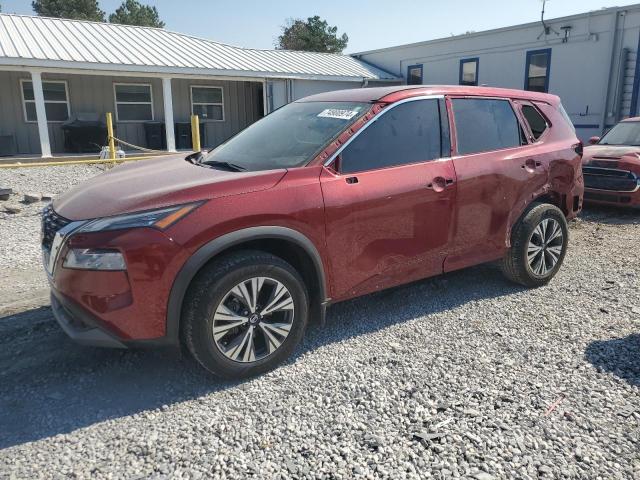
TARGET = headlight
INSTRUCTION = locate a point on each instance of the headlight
(94, 259)
(161, 218)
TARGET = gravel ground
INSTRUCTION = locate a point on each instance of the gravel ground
(19, 242)
(461, 376)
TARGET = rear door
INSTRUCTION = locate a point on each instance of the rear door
(497, 176)
(389, 199)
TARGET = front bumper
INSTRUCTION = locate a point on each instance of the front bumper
(611, 184)
(118, 308)
(613, 198)
(80, 326)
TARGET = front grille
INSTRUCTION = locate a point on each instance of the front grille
(610, 179)
(51, 223)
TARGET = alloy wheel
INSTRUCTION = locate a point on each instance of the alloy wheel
(253, 319)
(545, 247)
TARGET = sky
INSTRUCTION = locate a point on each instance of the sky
(370, 24)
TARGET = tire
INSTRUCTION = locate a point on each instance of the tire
(526, 237)
(216, 300)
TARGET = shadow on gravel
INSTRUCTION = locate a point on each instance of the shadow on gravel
(49, 385)
(620, 356)
(610, 215)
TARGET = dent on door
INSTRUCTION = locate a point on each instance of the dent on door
(387, 227)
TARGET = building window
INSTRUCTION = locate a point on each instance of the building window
(56, 101)
(207, 103)
(469, 71)
(134, 102)
(538, 69)
(414, 75)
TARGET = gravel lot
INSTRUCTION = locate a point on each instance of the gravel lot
(462, 376)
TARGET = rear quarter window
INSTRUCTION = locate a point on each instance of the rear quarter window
(537, 123)
(484, 125)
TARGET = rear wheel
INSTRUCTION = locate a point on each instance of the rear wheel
(538, 245)
(245, 314)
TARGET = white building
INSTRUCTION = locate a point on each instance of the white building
(589, 60)
(53, 70)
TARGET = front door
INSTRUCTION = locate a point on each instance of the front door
(388, 200)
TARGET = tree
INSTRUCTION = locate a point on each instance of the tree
(132, 12)
(74, 9)
(314, 35)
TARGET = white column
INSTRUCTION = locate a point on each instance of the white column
(41, 114)
(168, 114)
(265, 96)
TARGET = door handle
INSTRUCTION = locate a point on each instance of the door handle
(530, 164)
(440, 183)
(351, 180)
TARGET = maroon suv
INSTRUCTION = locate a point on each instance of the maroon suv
(328, 198)
(611, 166)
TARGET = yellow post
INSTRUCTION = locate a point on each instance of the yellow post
(195, 133)
(112, 143)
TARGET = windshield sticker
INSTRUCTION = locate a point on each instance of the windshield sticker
(337, 113)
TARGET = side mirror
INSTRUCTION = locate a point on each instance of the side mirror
(594, 140)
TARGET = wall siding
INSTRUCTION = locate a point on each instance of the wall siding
(94, 94)
(240, 107)
(580, 67)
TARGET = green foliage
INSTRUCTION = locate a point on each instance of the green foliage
(74, 9)
(132, 12)
(314, 35)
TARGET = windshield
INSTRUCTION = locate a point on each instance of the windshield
(289, 137)
(624, 133)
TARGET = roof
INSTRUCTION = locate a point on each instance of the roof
(60, 43)
(602, 11)
(399, 92)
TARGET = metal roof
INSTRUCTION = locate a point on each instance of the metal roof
(60, 43)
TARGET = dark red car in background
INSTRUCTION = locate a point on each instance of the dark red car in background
(328, 198)
(611, 166)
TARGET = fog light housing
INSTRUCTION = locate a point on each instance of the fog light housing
(94, 259)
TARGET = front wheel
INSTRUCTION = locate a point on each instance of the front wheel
(538, 245)
(245, 314)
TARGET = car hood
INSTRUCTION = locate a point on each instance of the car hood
(156, 183)
(609, 152)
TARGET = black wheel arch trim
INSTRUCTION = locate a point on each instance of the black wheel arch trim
(209, 250)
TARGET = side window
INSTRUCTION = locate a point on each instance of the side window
(408, 133)
(536, 122)
(483, 125)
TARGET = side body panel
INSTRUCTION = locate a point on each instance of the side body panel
(494, 188)
(389, 227)
(134, 305)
